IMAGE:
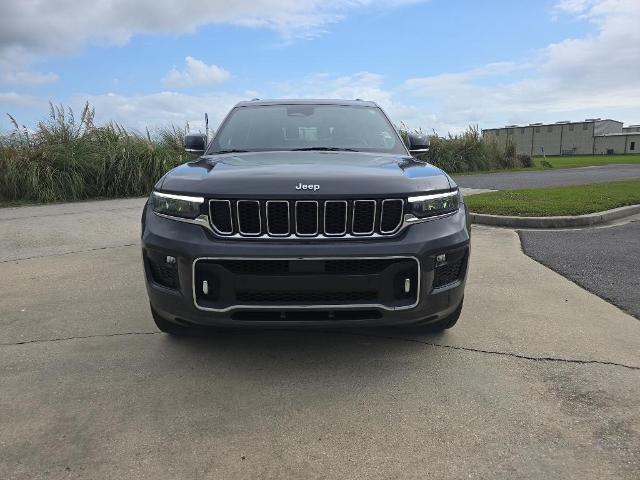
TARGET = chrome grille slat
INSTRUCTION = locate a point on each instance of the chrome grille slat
(361, 215)
(220, 214)
(304, 218)
(299, 221)
(344, 210)
(272, 223)
(246, 215)
(387, 220)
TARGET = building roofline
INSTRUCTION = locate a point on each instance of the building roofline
(617, 134)
(531, 125)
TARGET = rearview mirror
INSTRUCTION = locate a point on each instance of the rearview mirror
(418, 143)
(195, 143)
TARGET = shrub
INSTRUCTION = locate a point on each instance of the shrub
(69, 158)
(524, 160)
(66, 158)
(469, 152)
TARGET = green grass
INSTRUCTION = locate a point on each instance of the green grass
(566, 161)
(573, 161)
(547, 202)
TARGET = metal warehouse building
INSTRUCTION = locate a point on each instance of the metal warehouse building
(592, 136)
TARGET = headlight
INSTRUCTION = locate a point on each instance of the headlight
(176, 205)
(436, 204)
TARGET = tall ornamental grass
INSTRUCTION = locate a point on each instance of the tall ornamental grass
(70, 158)
(469, 152)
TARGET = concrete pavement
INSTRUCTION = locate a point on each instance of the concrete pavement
(540, 379)
(549, 178)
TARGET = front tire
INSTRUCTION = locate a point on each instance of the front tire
(166, 326)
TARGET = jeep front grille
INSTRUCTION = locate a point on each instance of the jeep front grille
(306, 218)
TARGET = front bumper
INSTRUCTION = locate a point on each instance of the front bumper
(181, 300)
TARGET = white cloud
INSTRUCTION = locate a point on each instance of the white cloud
(195, 73)
(26, 77)
(17, 99)
(367, 86)
(40, 27)
(572, 6)
(592, 76)
(31, 29)
(14, 69)
(160, 109)
(598, 73)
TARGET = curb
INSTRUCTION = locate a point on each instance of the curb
(555, 222)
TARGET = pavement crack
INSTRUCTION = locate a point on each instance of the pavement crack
(69, 253)
(79, 337)
(367, 335)
(496, 352)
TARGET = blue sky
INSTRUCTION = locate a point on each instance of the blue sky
(435, 64)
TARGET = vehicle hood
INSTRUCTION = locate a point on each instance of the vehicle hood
(276, 175)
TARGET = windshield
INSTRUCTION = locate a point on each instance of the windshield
(307, 127)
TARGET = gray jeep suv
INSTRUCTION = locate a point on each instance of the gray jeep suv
(305, 213)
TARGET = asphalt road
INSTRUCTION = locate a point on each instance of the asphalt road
(540, 378)
(605, 261)
(548, 178)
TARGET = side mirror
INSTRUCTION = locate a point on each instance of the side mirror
(418, 143)
(195, 143)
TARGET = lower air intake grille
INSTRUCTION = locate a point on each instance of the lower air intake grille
(449, 273)
(333, 283)
(282, 298)
(163, 274)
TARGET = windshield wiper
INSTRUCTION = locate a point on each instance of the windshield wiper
(324, 149)
(233, 150)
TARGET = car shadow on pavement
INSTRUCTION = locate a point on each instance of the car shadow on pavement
(322, 350)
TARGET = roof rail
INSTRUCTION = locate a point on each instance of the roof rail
(255, 99)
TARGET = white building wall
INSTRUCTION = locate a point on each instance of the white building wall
(522, 137)
(616, 143)
(607, 127)
(546, 137)
(633, 143)
(578, 138)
